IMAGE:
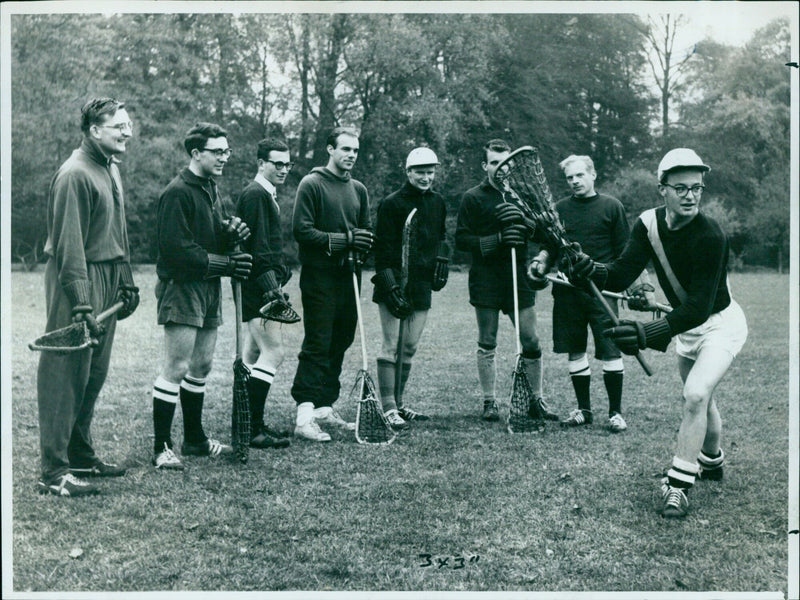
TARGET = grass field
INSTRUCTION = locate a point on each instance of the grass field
(565, 510)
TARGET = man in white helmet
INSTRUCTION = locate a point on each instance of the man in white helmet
(428, 260)
(690, 253)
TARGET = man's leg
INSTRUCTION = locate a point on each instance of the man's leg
(532, 360)
(390, 326)
(264, 356)
(414, 326)
(570, 337)
(345, 321)
(316, 296)
(613, 367)
(700, 379)
(488, 319)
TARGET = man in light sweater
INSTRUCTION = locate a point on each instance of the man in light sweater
(88, 270)
(331, 223)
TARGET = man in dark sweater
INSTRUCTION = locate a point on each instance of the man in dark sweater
(331, 223)
(599, 224)
(689, 251)
(490, 228)
(88, 270)
(263, 342)
(196, 246)
(428, 265)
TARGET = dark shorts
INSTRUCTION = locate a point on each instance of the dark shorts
(194, 303)
(252, 301)
(572, 311)
(492, 287)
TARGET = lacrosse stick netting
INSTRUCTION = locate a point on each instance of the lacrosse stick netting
(371, 426)
(521, 179)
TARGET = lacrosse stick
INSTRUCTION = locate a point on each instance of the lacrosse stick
(664, 308)
(398, 365)
(521, 399)
(72, 337)
(279, 310)
(240, 414)
(371, 426)
(521, 177)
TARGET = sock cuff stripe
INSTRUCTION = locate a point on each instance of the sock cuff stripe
(194, 385)
(584, 372)
(164, 395)
(707, 461)
(684, 466)
(166, 386)
(676, 475)
(613, 366)
(261, 374)
(578, 365)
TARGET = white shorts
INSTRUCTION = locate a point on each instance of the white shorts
(726, 330)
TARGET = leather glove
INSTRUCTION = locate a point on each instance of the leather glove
(440, 273)
(537, 270)
(268, 282)
(85, 312)
(508, 214)
(513, 236)
(360, 239)
(236, 265)
(632, 336)
(641, 297)
(395, 300)
(577, 265)
(236, 231)
(129, 294)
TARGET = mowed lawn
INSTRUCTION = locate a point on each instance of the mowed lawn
(456, 504)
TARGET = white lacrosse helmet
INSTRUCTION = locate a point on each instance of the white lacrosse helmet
(419, 157)
(679, 158)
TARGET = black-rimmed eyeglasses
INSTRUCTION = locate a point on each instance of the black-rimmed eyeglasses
(682, 191)
(280, 166)
(218, 152)
(120, 127)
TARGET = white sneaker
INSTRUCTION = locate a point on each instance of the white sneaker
(167, 460)
(311, 431)
(616, 423)
(395, 420)
(325, 415)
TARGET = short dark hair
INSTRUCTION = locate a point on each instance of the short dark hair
(198, 135)
(333, 138)
(269, 144)
(95, 111)
(495, 145)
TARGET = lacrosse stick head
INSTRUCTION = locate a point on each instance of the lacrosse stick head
(521, 179)
(240, 419)
(523, 404)
(371, 426)
(279, 310)
(71, 338)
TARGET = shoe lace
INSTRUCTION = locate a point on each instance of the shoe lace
(577, 416)
(167, 455)
(70, 478)
(674, 497)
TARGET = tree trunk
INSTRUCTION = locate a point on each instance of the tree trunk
(326, 86)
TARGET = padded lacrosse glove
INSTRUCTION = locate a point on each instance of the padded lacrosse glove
(236, 231)
(440, 273)
(641, 297)
(128, 293)
(513, 236)
(236, 265)
(580, 268)
(392, 295)
(508, 214)
(537, 270)
(632, 336)
(271, 288)
(85, 312)
(360, 239)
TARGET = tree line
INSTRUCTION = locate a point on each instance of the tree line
(566, 83)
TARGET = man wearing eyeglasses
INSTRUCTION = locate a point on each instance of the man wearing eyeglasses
(197, 244)
(332, 226)
(689, 251)
(88, 270)
(263, 342)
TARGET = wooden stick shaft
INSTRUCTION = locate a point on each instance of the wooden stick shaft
(357, 294)
(516, 299)
(665, 308)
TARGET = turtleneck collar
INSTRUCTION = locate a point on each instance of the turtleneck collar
(92, 149)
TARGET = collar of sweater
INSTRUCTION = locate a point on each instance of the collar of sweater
(93, 151)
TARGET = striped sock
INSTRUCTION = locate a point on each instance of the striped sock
(486, 372)
(711, 465)
(258, 387)
(682, 473)
(192, 393)
(581, 376)
(612, 378)
(165, 398)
